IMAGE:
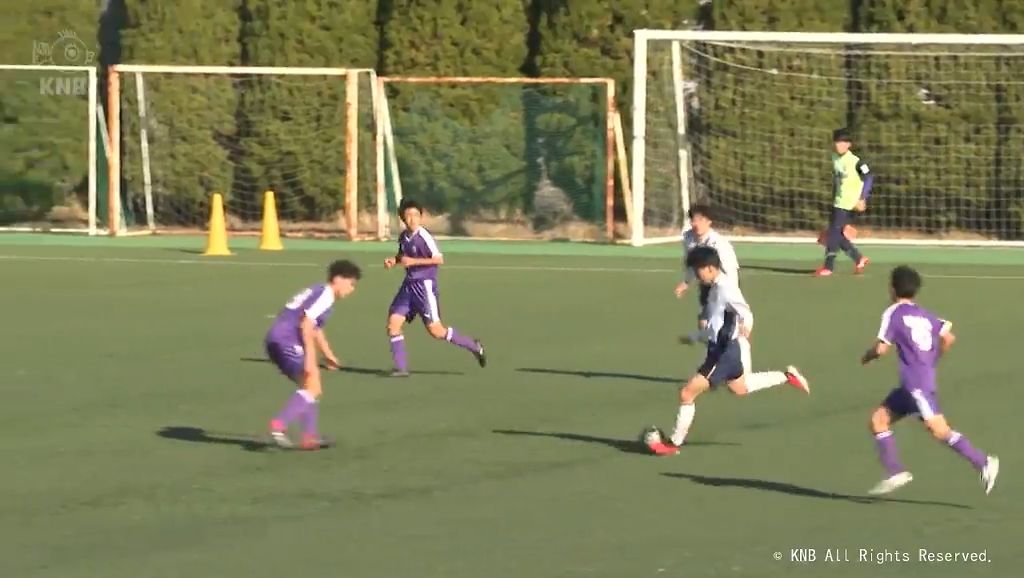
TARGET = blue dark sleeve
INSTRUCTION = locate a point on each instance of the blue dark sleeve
(866, 177)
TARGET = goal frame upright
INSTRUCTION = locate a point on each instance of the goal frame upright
(610, 127)
(348, 76)
(638, 169)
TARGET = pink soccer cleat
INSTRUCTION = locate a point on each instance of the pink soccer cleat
(797, 380)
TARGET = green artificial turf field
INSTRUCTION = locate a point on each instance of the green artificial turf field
(133, 384)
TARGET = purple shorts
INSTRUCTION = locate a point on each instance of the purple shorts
(288, 357)
(417, 298)
(902, 402)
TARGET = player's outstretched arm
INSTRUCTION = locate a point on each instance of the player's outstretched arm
(408, 261)
(325, 348)
(879, 349)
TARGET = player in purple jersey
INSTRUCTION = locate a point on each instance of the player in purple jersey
(418, 296)
(921, 339)
(292, 344)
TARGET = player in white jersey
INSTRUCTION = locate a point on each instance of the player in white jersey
(702, 234)
(729, 319)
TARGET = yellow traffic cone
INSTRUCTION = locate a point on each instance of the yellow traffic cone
(217, 237)
(270, 239)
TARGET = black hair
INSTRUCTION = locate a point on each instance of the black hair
(700, 209)
(700, 257)
(905, 282)
(841, 135)
(344, 269)
(407, 204)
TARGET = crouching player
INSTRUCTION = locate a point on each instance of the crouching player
(292, 344)
(920, 339)
(729, 320)
(418, 295)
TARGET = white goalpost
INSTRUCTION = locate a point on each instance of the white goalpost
(51, 144)
(310, 135)
(743, 121)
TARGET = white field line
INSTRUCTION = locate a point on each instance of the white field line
(522, 268)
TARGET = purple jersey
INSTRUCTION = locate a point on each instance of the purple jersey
(421, 245)
(315, 302)
(915, 332)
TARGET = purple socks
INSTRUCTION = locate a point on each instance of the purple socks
(300, 405)
(887, 453)
(464, 341)
(963, 447)
(398, 356)
(958, 442)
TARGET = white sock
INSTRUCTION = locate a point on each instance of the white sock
(683, 420)
(765, 379)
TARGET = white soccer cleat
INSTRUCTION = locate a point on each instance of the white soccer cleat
(281, 440)
(891, 484)
(797, 380)
(989, 473)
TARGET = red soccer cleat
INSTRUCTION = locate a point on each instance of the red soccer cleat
(861, 265)
(312, 442)
(797, 380)
(823, 272)
(663, 449)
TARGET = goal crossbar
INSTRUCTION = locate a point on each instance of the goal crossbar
(830, 38)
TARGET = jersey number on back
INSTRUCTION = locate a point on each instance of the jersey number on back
(920, 331)
(299, 299)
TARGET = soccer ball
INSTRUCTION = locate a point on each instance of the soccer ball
(650, 436)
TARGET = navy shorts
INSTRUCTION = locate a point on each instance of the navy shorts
(902, 402)
(417, 298)
(288, 357)
(723, 363)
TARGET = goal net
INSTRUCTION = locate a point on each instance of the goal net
(512, 158)
(186, 132)
(48, 148)
(743, 121)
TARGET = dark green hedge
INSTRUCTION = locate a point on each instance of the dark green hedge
(497, 149)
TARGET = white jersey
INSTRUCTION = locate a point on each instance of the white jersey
(727, 310)
(730, 264)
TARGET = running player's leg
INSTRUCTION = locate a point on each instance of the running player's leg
(399, 313)
(289, 360)
(745, 382)
(426, 302)
(935, 421)
(894, 407)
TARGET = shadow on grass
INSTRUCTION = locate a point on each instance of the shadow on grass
(780, 270)
(360, 370)
(631, 446)
(201, 436)
(795, 490)
(604, 374)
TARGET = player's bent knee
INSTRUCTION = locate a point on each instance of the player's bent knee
(437, 330)
(938, 427)
(880, 420)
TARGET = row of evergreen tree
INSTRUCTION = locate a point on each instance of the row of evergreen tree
(230, 134)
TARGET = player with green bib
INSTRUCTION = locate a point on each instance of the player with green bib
(851, 185)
